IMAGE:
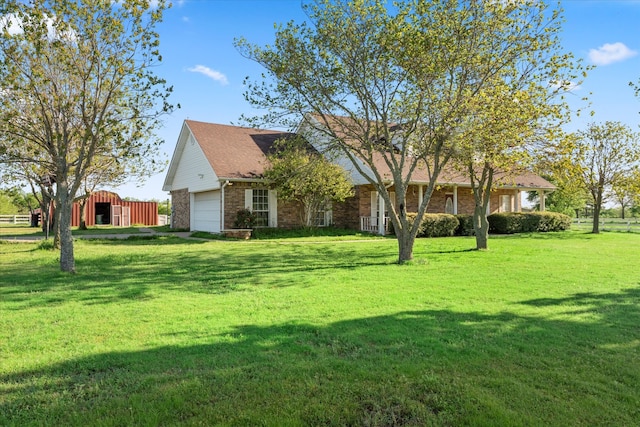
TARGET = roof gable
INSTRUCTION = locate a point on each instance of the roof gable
(234, 152)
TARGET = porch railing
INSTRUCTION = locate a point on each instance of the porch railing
(370, 224)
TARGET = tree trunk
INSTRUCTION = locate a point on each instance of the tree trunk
(82, 204)
(55, 227)
(596, 213)
(481, 227)
(405, 245)
(45, 219)
(481, 194)
(65, 204)
(596, 219)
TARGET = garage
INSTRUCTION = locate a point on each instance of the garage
(206, 211)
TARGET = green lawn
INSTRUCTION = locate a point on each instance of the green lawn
(9, 230)
(540, 330)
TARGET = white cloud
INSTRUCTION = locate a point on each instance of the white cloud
(12, 24)
(15, 26)
(212, 74)
(609, 53)
(565, 86)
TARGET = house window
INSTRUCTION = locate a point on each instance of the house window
(324, 215)
(264, 203)
(505, 203)
(260, 206)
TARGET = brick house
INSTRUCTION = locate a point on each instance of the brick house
(216, 170)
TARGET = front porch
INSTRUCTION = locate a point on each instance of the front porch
(453, 199)
(372, 225)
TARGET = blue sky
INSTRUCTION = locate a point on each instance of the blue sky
(207, 73)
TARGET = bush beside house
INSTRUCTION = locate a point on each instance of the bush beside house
(444, 225)
(518, 222)
(465, 225)
(436, 225)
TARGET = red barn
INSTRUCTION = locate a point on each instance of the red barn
(105, 207)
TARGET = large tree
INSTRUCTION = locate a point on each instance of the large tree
(625, 189)
(78, 85)
(496, 141)
(36, 176)
(304, 176)
(387, 87)
(601, 155)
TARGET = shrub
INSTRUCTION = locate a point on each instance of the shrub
(245, 218)
(435, 225)
(554, 221)
(517, 222)
(438, 225)
(506, 223)
(465, 227)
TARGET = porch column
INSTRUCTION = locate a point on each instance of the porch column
(419, 196)
(542, 200)
(455, 200)
(381, 210)
(518, 201)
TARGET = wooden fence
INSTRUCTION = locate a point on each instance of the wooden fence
(631, 225)
(15, 219)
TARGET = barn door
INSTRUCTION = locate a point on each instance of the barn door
(126, 216)
(116, 215)
(120, 216)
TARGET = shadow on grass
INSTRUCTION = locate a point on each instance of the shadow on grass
(107, 274)
(431, 367)
(590, 299)
(556, 235)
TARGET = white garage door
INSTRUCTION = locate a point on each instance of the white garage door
(206, 211)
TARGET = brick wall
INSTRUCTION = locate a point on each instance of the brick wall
(466, 202)
(345, 214)
(289, 215)
(233, 202)
(180, 209)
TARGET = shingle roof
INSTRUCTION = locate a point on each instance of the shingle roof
(240, 153)
(233, 151)
(450, 174)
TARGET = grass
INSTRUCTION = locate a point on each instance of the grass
(629, 225)
(22, 230)
(539, 330)
(298, 235)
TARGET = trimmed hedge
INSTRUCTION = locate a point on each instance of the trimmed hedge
(436, 225)
(518, 222)
(466, 225)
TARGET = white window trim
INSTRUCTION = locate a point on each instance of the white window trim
(327, 210)
(272, 204)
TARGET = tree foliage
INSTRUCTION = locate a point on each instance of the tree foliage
(569, 197)
(78, 87)
(304, 176)
(16, 201)
(388, 87)
(625, 189)
(497, 140)
(602, 154)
